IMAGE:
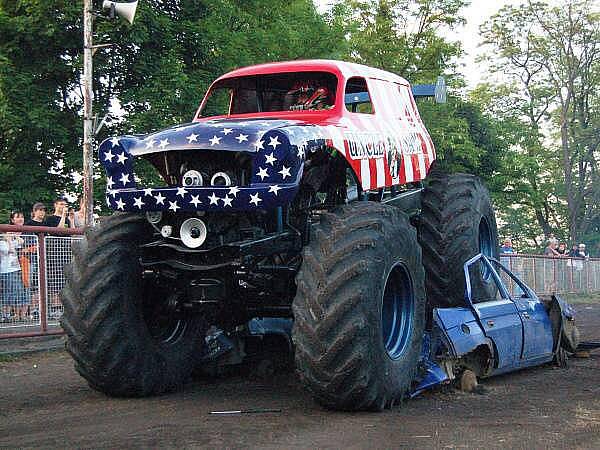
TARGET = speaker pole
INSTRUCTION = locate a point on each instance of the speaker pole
(88, 119)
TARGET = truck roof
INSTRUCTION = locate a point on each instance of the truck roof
(345, 69)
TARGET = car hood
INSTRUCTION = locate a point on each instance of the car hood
(214, 134)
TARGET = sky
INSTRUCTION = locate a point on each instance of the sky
(475, 14)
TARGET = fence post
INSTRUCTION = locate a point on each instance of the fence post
(571, 274)
(554, 280)
(510, 267)
(536, 288)
(43, 282)
(587, 277)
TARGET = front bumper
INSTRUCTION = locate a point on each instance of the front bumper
(211, 198)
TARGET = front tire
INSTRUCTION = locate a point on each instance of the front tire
(122, 342)
(359, 308)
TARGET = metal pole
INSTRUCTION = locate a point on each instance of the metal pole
(43, 280)
(88, 132)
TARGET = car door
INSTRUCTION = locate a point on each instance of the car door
(498, 316)
(537, 328)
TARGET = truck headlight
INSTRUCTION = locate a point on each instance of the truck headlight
(192, 178)
(166, 231)
(220, 179)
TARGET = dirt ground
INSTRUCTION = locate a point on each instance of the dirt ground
(44, 403)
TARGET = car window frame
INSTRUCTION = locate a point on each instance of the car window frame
(494, 275)
(373, 108)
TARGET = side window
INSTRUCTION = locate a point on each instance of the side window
(357, 97)
(407, 112)
(516, 287)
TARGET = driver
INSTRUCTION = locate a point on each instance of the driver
(308, 95)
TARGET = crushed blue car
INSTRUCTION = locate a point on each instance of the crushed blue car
(512, 330)
(488, 336)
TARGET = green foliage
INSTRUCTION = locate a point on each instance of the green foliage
(549, 110)
(157, 72)
(465, 139)
(38, 72)
(401, 36)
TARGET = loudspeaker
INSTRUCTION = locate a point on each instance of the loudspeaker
(193, 232)
(124, 10)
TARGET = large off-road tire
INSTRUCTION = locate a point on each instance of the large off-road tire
(457, 222)
(361, 270)
(122, 341)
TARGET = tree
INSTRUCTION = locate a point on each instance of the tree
(156, 73)
(551, 57)
(401, 36)
(39, 59)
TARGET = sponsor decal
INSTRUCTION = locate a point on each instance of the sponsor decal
(365, 145)
(368, 145)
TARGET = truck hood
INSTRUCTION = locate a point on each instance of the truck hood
(215, 134)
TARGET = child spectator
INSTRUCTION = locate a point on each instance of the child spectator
(507, 246)
(38, 213)
(13, 293)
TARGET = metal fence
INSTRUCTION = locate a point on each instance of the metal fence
(31, 277)
(548, 275)
(32, 261)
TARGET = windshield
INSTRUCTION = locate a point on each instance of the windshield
(308, 91)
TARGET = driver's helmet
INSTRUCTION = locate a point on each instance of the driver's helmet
(308, 95)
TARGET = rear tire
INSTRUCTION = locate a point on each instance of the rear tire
(113, 329)
(361, 270)
(457, 222)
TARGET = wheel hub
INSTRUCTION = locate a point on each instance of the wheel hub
(397, 312)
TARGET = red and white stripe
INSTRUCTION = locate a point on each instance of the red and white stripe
(396, 119)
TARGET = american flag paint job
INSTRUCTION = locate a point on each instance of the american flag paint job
(386, 148)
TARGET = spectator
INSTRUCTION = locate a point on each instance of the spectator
(507, 246)
(581, 251)
(77, 218)
(27, 255)
(38, 213)
(574, 252)
(56, 249)
(551, 249)
(562, 249)
(59, 218)
(12, 293)
(17, 218)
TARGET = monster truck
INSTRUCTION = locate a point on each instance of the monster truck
(289, 195)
